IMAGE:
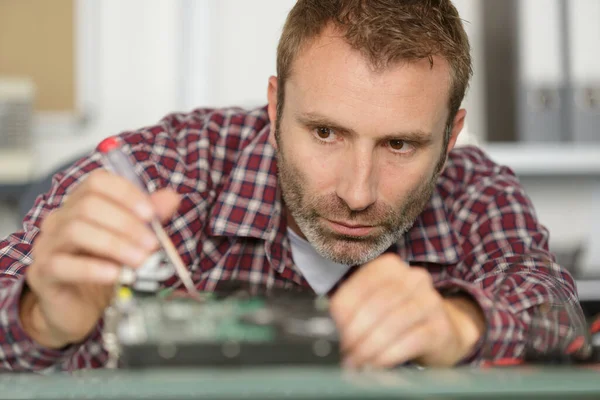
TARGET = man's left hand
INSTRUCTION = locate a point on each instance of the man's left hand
(389, 313)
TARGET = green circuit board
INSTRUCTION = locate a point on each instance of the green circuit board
(232, 327)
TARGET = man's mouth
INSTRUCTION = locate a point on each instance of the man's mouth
(349, 229)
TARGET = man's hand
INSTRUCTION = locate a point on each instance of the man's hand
(77, 257)
(389, 313)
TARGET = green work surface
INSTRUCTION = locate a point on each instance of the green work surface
(308, 383)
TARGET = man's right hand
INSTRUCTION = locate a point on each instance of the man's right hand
(79, 252)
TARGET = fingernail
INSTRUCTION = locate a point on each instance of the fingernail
(149, 241)
(107, 274)
(134, 257)
(145, 211)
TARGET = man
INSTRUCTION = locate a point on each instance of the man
(346, 183)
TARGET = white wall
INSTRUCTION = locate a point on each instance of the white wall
(242, 50)
(475, 128)
(139, 62)
(129, 66)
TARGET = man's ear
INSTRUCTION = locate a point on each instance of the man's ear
(272, 108)
(457, 127)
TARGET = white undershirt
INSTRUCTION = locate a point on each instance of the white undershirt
(318, 271)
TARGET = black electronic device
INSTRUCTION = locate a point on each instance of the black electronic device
(236, 325)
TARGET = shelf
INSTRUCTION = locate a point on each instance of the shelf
(547, 159)
(589, 290)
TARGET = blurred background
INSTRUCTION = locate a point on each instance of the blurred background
(75, 71)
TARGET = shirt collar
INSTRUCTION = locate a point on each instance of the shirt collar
(250, 205)
(431, 239)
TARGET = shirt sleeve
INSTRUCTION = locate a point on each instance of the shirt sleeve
(529, 302)
(18, 352)
(190, 153)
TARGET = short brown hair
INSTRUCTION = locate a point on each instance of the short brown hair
(386, 32)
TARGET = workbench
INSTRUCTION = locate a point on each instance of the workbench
(309, 383)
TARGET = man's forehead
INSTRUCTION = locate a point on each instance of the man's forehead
(328, 62)
(331, 42)
(339, 79)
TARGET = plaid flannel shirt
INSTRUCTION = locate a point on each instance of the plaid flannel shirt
(478, 235)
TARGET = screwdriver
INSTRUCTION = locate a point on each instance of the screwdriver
(117, 161)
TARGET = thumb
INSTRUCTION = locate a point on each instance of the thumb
(165, 202)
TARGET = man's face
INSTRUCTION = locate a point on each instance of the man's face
(359, 151)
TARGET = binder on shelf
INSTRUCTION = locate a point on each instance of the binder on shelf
(542, 83)
(584, 66)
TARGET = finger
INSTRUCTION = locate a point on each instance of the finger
(50, 221)
(80, 236)
(371, 313)
(71, 269)
(117, 189)
(366, 281)
(165, 202)
(408, 347)
(110, 216)
(383, 301)
(395, 324)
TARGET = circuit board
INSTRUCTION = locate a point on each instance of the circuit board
(233, 326)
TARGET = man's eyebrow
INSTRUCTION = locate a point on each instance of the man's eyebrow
(421, 137)
(316, 120)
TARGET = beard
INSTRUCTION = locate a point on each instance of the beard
(310, 211)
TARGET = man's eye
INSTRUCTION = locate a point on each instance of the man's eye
(397, 144)
(324, 133)
(401, 147)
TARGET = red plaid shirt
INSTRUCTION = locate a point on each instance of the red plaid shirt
(478, 235)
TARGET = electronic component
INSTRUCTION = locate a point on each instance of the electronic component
(233, 326)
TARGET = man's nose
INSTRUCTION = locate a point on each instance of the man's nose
(357, 185)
